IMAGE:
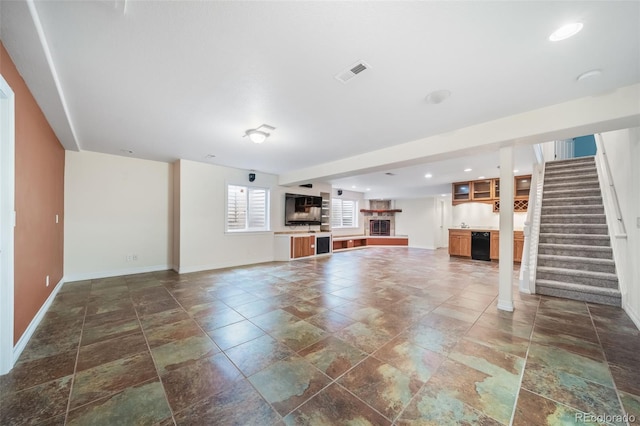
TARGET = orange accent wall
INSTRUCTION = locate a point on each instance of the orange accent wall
(39, 190)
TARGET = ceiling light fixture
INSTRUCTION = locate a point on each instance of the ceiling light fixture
(467, 170)
(428, 175)
(566, 31)
(438, 96)
(260, 134)
(368, 189)
(515, 170)
(589, 74)
(353, 187)
(480, 177)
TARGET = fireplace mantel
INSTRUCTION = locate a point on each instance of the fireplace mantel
(381, 211)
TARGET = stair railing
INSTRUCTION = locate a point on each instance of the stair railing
(532, 232)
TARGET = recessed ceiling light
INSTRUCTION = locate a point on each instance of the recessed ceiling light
(428, 175)
(480, 177)
(368, 189)
(566, 31)
(443, 195)
(437, 96)
(515, 170)
(353, 187)
(589, 74)
(467, 170)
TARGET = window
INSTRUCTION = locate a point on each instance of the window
(247, 209)
(344, 213)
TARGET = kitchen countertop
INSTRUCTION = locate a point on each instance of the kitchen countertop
(479, 229)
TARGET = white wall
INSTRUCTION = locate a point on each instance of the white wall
(116, 206)
(204, 244)
(418, 221)
(623, 151)
(481, 215)
(362, 204)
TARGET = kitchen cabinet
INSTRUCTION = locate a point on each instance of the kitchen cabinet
(481, 190)
(518, 245)
(459, 243)
(521, 186)
(494, 250)
(461, 192)
(488, 191)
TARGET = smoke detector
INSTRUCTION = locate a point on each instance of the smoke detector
(353, 70)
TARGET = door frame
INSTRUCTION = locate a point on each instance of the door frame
(7, 223)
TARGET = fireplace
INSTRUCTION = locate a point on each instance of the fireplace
(380, 227)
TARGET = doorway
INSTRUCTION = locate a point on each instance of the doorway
(7, 223)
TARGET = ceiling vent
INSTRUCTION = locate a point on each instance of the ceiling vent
(352, 71)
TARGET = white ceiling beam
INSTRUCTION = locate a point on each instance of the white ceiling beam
(610, 111)
(24, 38)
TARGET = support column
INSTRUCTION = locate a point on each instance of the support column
(505, 286)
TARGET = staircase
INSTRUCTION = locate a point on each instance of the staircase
(575, 259)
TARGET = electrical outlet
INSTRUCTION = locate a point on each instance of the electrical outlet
(46, 281)
(129, 258)
(134, 257)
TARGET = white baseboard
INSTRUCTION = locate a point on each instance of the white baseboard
(115, 273)
(635, 317)
(210, 267)
(26, 336)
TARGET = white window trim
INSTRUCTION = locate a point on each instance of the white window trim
(247, 231)
(356, 213)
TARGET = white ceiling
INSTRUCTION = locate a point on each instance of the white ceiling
(176, 79)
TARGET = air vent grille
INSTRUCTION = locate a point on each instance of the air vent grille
(352, 71)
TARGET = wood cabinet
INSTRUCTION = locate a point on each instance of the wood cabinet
(518, 245)
(494, 248)
(488, 191)
(303, 246)
(459, 243)
(481, 190)
(521, 186)
(461, 192)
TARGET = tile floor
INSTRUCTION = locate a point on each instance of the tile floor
(376, 336)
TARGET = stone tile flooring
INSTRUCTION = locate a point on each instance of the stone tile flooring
(375, 336)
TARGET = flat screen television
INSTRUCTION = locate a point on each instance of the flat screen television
(302, 210)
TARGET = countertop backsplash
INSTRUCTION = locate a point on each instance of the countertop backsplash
(481, 216)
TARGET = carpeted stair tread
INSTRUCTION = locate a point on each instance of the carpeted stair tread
(575, 228)
(593, 218)
(570, 193)
(576, 258)
(596, 252)
(577, 262)
(584, 201)
(578, 272)
(607, 296)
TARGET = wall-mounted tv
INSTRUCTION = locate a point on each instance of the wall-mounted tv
(302, 210)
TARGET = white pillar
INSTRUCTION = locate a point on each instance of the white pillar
(505, 287)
